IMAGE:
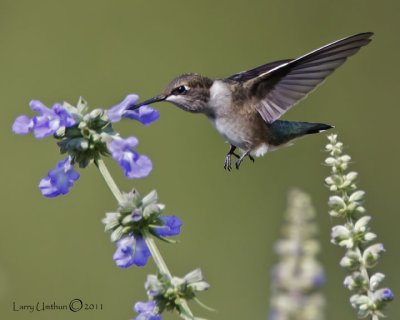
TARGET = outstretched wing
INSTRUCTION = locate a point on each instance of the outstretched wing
(278, 89)
(252, 73)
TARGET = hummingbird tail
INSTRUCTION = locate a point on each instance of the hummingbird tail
(284, 131)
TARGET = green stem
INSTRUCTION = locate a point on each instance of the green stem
(109, 180)
(155, 253)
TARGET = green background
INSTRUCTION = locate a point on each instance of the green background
(56, 250)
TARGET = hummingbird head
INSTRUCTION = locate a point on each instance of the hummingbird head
(190, 92)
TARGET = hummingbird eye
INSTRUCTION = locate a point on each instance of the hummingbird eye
(180, 90)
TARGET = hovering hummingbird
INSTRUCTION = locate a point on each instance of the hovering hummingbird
(245, 107)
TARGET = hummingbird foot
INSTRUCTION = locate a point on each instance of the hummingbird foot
(228, 161)
(244, 155)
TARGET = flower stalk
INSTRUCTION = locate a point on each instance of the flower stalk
(108, 179)
(297, 279)
(155, 253)
(355, 236)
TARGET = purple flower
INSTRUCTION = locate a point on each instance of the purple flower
(59, 180)
(384, 294)
(131, 250)
(172, 226)
(145, 114)
(147, 311)
(46, 123)
(134, 164)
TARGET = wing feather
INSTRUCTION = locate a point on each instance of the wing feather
(284, 84)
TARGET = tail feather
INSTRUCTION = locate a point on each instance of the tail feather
(283, 131)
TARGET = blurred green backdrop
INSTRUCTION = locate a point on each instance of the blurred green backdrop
(55, 249)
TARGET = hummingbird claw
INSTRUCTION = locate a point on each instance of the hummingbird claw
(227, 163)
(244, 155)
(228, 160)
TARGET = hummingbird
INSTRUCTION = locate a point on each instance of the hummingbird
(245, 107)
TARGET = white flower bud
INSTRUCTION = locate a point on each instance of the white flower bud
(332, 138)
(194, 276)
(95, 113)
(84, 144)
(351, 259)
(360, 209)
(351, 176)
(199, 286)
(345, 158)
(357, 196)
(369, 236)
(361, 224)
(362, 304)
(372, 254)
(60, 131)
(355, 281)
(329, 180)
(376, 280)
(150, 198)
(340, 232)
(336, 201)
(330, 161)
(334, 213)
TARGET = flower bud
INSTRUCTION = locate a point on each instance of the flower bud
(372, 254)
(376, 280)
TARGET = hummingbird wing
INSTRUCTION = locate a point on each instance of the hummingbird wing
(278, 89)
(252, 73)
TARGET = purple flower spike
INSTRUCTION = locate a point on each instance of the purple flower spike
(134, 164)
(59, 180)
(144, 114)
(172, 226)
(131, 250)
(147, 311)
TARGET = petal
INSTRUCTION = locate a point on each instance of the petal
(47, 189)
(22, 125)
(115, 113)
(66, 119)
(142, 252)
(130, 251)
(172, 226)
(39, 107)
(144, 306)
(142, 167)
(59, 180)
(145, 114)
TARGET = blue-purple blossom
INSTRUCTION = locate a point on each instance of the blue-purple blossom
(172, 226)
(144, 114)
(147, 311)
(384, 294)
(134, 164)
(86, 136)
(59, 180)
(46, 123)
(131, 250)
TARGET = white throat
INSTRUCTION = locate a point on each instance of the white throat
(220, 97)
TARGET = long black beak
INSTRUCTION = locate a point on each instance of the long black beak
(149, 101)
